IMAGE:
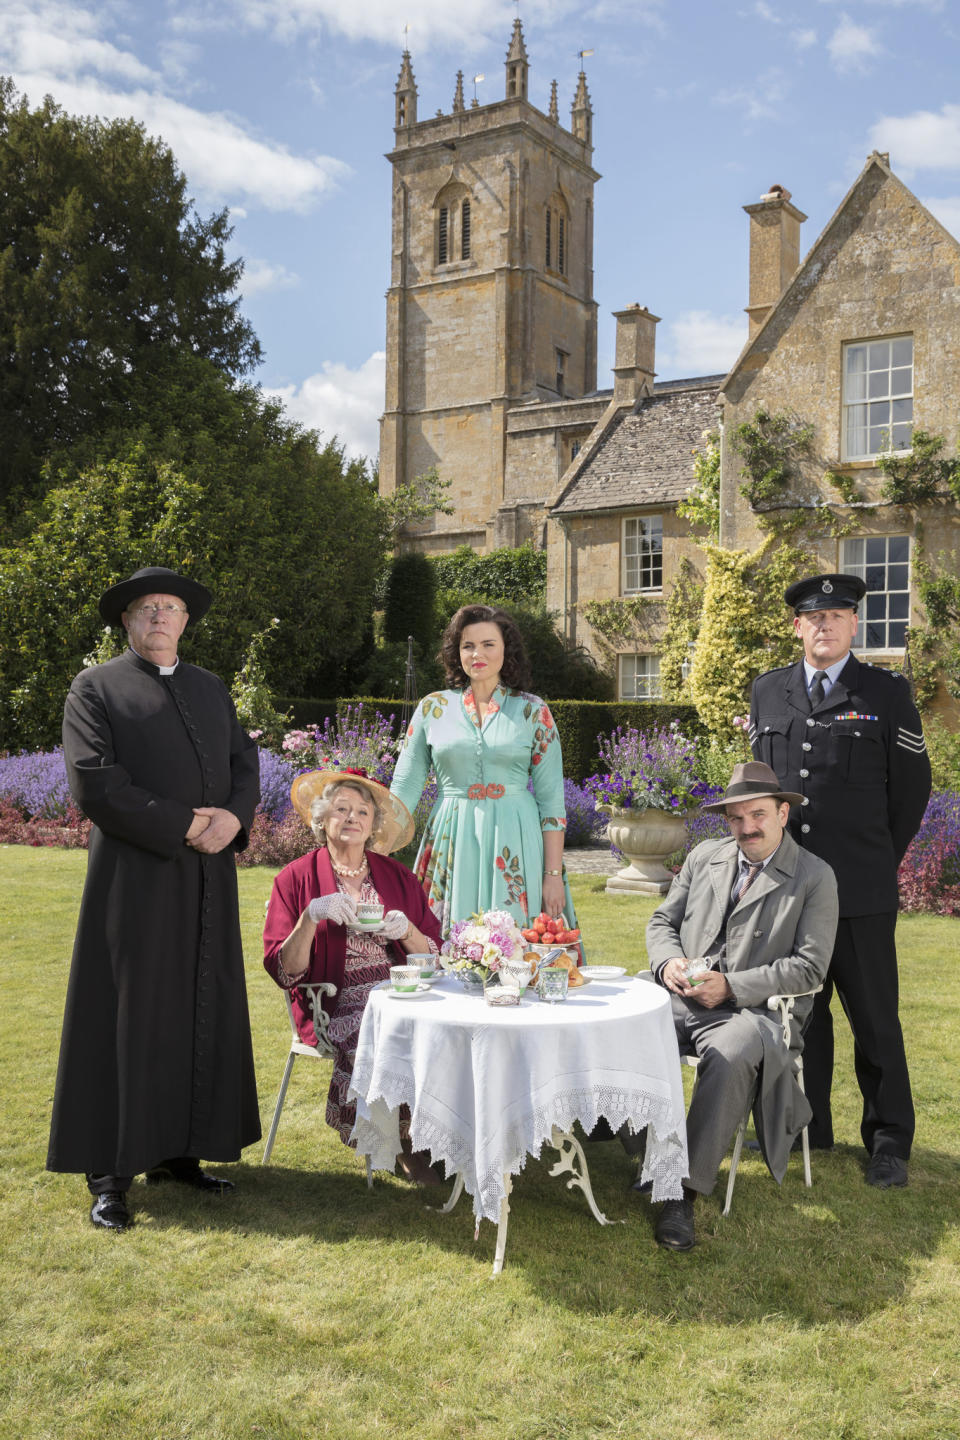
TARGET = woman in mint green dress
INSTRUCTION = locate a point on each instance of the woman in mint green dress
(489, 843)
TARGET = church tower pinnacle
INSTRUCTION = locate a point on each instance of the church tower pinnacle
(490, 310)
(517, 64)
(581, 112)
(406, 94)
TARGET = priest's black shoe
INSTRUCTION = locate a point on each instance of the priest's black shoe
(674, 1230)
(188, 1172)
(109, 1211)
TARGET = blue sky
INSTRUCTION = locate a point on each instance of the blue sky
(282, 110)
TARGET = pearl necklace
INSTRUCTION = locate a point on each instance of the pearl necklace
(345, 869)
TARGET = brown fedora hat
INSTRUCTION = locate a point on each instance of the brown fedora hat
(753, 781)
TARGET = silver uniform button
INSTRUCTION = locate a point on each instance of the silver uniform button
(811, 721)
(805, 800)
(806, 745)
(804, 774)
(805, 829)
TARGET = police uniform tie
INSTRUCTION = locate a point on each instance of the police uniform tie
(816, 689)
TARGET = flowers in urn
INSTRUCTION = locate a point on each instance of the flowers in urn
(648, 770)
(483, 946)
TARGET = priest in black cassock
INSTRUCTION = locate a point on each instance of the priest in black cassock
(156, 1062)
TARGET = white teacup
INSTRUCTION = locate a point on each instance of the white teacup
(405, 977)
(369, 915)
(427, 965)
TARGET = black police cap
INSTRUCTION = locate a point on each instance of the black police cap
(825, 592)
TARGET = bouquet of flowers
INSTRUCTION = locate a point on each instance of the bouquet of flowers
(483, 945)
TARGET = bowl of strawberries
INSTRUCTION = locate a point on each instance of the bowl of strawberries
(549, 933)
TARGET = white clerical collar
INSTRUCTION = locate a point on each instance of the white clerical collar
(163, 669)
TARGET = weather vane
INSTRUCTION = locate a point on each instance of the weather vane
(583, 55)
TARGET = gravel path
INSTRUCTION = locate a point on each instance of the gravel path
(591, 861)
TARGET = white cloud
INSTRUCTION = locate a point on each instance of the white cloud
(947, 210)
(432, 23)
(57, 39)
(341, 403)
(852, 46)
(55, 49)
(699, 342)
(262, 275)
(803, 39)
(921, 141)
(763, 100)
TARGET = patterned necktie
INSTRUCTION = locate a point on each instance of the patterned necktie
(747, 880)
(816, 689)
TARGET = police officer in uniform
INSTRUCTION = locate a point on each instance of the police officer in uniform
(847, 737)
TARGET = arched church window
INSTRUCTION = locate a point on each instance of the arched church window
(453, 211)
(556, 234)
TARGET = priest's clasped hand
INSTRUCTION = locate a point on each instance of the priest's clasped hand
(216, 835)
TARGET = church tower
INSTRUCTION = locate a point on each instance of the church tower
(491, 303)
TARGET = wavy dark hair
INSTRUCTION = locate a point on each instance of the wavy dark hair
(515, 673)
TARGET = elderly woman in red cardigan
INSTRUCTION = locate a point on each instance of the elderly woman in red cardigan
(311, 931)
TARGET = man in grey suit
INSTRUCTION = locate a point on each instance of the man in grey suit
(762, 914)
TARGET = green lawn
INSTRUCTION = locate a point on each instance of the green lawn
(305, 1305)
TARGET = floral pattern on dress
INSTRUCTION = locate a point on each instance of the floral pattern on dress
(482, 846)
(470, 705)
(514, 883)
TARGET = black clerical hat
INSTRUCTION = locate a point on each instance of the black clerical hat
(154, 580)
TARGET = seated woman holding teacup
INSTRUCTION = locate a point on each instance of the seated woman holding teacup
(314, 932)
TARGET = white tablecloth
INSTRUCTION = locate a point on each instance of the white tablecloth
(487, 1085)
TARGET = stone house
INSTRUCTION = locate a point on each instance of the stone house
(861, 343)
(491, 370)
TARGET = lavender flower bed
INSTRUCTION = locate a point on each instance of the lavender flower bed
(276, 776)
(361, 739)
(585, 823)
(36, 783)
(929, 877)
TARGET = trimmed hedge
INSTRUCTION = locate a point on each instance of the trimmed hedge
(579, 722)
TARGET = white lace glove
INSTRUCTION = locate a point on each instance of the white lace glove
(338, 908)
(395, 925)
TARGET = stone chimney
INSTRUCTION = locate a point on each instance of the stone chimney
(774, 251)
(636, 346)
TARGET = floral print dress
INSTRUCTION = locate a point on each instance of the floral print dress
(483, 845)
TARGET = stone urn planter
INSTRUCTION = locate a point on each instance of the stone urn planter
(646, 838)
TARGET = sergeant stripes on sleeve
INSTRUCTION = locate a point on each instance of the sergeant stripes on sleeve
(911, 740)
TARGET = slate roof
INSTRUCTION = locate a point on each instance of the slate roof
(646, 457)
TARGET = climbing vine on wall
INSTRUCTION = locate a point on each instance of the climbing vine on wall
(745, 628)
(702, 505)
(770, 447)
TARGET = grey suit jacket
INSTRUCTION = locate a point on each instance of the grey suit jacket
(779, 941)
(779, 936)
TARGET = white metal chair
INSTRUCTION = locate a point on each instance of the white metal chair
(323, 1050)
(784, 1004)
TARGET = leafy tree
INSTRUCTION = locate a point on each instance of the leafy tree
(248, 504)
(408, 600)
(107, 278)
(497, 578)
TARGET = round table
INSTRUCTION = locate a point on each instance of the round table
(487, 1086)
